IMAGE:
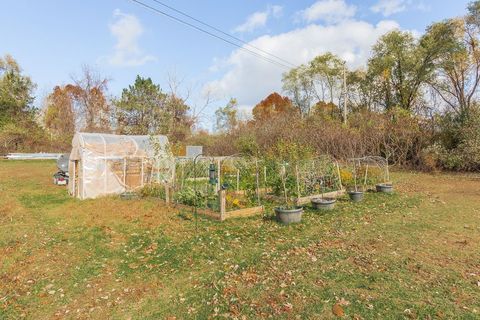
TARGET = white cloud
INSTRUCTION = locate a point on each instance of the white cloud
(422, 6)
(127, 29)
(250, 79)
(330, 11)
(259, 19)
(276, 11)
(389, 7)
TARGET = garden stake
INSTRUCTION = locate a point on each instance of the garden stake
(238, 180)
(355, 174)
(339, 176)
(387, 173)
(297, 178)
(265, 178)
(195, 192)
(257, 181)
(366, 173)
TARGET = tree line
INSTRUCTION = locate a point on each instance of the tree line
(415, 102)
(83, 105)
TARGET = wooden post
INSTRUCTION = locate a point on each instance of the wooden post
(298, 183)
(257, 182)
(105, 181)
(265, 178)
(223, 204)
(219, 186)
(183, 175)
(174, 175)
(345, 96)
(105, 164)
(82, 166)
(387, 173)
(167, 193)
(206, 191)
(355, 174)
(339, 176)
(238, 180)
(151, 170)
(124, 173)
(142, 173)
(366, 174)
(74, 179)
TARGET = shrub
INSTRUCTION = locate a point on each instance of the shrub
(154, 190)
(458, 143)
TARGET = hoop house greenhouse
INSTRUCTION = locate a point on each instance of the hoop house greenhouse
(104, 164)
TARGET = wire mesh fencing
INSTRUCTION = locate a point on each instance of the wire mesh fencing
(240, 185)
(365, 173)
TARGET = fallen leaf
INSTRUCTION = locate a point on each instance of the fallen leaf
(338, 310)
(343, 302)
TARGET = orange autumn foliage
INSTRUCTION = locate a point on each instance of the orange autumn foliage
(271, 106)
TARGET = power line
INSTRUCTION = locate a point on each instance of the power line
(223, 32)
(158, 11)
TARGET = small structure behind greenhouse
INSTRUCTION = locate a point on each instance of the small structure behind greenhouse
(105, 164)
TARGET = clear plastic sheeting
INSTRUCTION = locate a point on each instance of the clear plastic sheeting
(104, 164)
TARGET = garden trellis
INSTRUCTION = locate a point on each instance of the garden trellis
(241, 185)
(367, 172)
(226, 186)
(304, 180)
(243, 180)
(193, 184)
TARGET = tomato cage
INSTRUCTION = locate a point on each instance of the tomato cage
(361, 174)
(196, 182)
(298, 182)
(242, 180)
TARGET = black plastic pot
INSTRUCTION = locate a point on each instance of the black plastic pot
(323, 203)
(384, 187)
(288, 216)
(129, 195)
(355, 196)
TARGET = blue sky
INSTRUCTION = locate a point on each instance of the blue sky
(52, 39)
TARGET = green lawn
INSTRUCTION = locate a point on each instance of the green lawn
(413, 254)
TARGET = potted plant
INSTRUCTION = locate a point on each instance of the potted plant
(129, 195)
(384, 187)
(323, 203)
(355, 195)
(287, 213)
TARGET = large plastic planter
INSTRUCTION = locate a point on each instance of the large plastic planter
(323, 203)
(129, 195)
(288, 216)
(355, 196)
(384, 187)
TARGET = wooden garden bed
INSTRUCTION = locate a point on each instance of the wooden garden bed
(223, 214)
(307, 199)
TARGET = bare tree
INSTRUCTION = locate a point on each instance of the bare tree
(91, 106)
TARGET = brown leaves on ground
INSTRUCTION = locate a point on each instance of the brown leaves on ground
(292, 272)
